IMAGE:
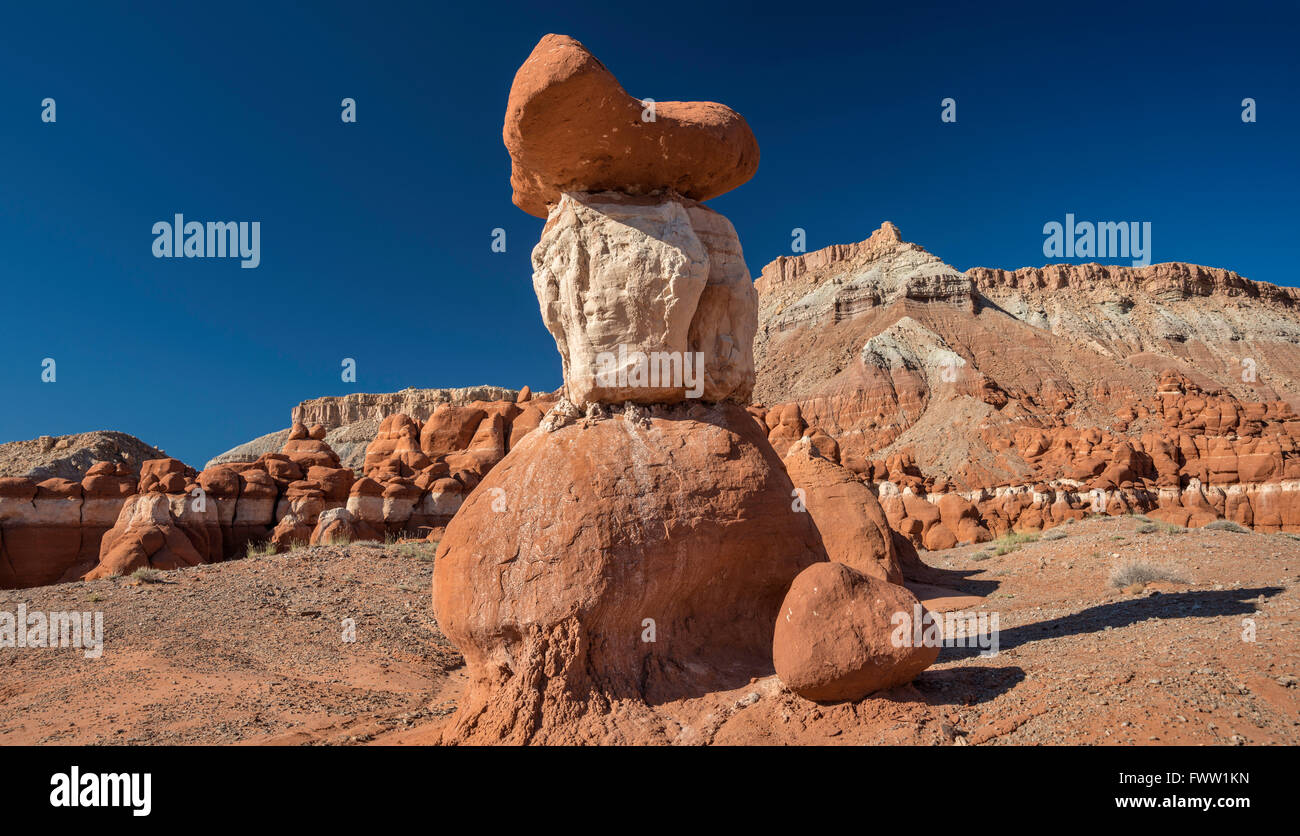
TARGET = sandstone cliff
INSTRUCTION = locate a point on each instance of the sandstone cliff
(990, 400)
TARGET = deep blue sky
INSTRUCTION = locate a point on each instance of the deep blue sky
(376, 235)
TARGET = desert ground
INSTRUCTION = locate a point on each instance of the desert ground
(252, 652)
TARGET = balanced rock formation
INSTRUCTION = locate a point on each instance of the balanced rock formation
(570, 127)
(636, 546)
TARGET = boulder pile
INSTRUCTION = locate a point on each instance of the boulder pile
(115, 520)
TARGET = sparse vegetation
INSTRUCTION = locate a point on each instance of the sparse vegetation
(261, 548)
(1135, 571)
(1055, 534)
(980, 555)
(146, 575)
(1148, 528)
(1227, 525)
(420, 550)
(1013, 540)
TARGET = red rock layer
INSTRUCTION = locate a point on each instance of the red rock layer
(115, 521)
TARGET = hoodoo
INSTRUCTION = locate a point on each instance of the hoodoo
(637, 547)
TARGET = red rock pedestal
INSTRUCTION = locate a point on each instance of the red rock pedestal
(615, 561)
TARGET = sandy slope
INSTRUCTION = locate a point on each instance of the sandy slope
(251, 651)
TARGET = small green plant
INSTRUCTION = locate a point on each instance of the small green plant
(146, 575)
(1012, 541)
(1170, 528)
(1227, 525)
(260, 548)
(94, 598)
(980, 555)
(1055, 534)
(1148, 528)
(1140, 571)
(421, 550)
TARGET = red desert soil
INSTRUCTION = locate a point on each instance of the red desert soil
(252, 651)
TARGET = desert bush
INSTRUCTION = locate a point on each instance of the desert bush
(1013, 540)
(1055, 534)
(146, 575)
(422, 551)
(1227, 525)
(1148, 528)
(1140, 571)
(259, 548)
(980, 555)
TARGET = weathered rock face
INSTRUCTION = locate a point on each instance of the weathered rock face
(570, 127)
(648, 300)
(175, 517)
(990, 401)
(889, 350)
(589, 527)
(151, 532)
(852, 526)
(50, 532)
(838, 638)
(352, 422)
(418, 404)
(72, 457)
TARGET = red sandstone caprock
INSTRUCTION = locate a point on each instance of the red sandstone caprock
(571, 127)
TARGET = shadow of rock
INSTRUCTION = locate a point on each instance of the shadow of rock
(1117, 614)
(966, 686)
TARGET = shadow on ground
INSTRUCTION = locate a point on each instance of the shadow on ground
(967, 686)
(1117, 614)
